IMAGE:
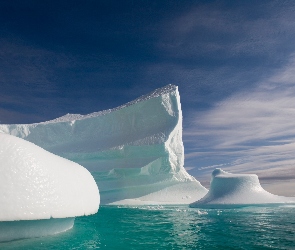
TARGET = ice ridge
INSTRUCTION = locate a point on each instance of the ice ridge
(135, 152)
(158, 92)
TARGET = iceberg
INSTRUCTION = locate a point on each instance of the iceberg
(135, 151)
(237, 189)
(40, 193)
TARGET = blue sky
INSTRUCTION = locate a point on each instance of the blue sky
(234, 63)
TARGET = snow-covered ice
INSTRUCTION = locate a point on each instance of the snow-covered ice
(38, 185)
(135, 152)
(227, 188)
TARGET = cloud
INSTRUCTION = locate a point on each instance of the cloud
(247, 29)
(252, 131)
(280, 187)
(213, 50)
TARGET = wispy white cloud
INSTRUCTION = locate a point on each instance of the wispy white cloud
(213, 50)
(248, 29)
(253, 130)
(238, 59)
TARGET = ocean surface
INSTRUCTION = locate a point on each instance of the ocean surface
(174, 227)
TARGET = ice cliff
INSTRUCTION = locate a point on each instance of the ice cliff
(228, 189)
(40, 192)
(135, 152)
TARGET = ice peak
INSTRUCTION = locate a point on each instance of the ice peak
(218, 171)
(156, 93)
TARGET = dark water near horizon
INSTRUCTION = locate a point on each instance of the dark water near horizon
(174, 227)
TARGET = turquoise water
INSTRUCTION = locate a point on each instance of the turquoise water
(174, 227)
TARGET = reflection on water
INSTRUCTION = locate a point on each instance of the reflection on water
(175, 227)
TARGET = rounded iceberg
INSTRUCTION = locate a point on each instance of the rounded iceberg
(237, 189)
(38, 185)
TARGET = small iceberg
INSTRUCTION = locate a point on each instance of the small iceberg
(237, 189)
(40, 193)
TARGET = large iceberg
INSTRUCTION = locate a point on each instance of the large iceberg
(238, 189)
(135, 152)
(40, 193)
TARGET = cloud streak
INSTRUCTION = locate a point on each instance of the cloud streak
(248, 29)
(253, 130)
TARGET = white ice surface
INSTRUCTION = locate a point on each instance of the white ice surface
(227, 188)
(135, 152)
(36, 184)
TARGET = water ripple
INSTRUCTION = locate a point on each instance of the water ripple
(174, 227)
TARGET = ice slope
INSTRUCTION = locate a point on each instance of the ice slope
(36, 184)
(135, 151)
(227, 188)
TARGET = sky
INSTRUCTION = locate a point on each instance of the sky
(233, 61)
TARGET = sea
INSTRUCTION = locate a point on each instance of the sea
(174, 227)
